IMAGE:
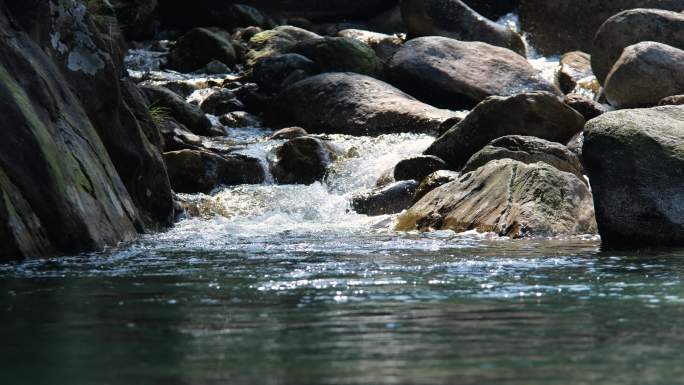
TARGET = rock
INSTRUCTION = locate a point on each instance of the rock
(418, 168)
(136, 18)
(215, 67)
(385, 46)
(221, 102)
(632, 27)
(508, 198)
(645, 73)
(675, 100)
(289, 133)
(275, 41)
(574, 66)
(557, 26)
(585, 106)
(456, 20)
(389, 21)
(240, 119)
(178, 14)
(199, 47)
(391, 199)
(340, 54)
(185, 113)
(274, 73)
(533, 114)
(192, 171)
(493, 9)
(346, 103)
(635, 162)
(453, 74)
(528, 150)
(303, 160)
(176, 137)
(434, 180)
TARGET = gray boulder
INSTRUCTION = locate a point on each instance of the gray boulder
(275, 41)
(574, 66)
(391, 199)
(434, 180)
(418, 167)
(302, 160)
(340, 54)
(199, 47)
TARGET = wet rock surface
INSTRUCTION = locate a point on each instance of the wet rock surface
(390, 199)
(302, 160)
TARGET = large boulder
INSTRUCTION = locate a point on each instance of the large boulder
(493, 9)
(273, 73)
(527, 149)
(168, 102)
(645, 73)
(390, 199)
(275, 41)
(302, 160)
(533, 114)
(340, 54)
(558, 26)
(632, 27)
(635, 161)
(418, 167)
(574, 66)
(346, 103)
(199, 47)
(508, 198)
(454, 74)
(456, 20)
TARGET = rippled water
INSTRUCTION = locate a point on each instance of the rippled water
(286, 285)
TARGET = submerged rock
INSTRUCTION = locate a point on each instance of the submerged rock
(508, 198)
(456, 20)
(418, 168)
(453, 74)
(645, 74)
(302, 160)
(537, 114)
(199, 47)
(390, 199)
(635, 161)
(346, 103)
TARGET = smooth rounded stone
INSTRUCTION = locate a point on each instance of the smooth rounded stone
(199, 47)
(214, 67)
(303, 160)
(390, 199)
(275, 41)
(434, 180)
(493, 9)
(185, 113)
(385, 46)
(418, 168)
(353, 104)
(528, 150)
(221, 102)
(585, 106)
(340, 54)
(645, 74)
(454, 74)
(240, 119)
(635, 162)
(389, 21)
(176, 137)
(632, 27)
(574, 66)
(456, 20)
(508, 198)
(289, 133)
(537, 114)
(274, 73)
(675, 100)
(557, 26)
(192, 171)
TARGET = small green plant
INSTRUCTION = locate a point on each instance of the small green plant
(158, 113)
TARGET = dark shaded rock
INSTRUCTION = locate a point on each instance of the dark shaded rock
(136, 18)
(192, 171)
(418, 168)
(275, 42)
(391, 199)
(346, 103)
(434, 180)
(209, 13)
(508, 198)
(221, 102)
(493, 9)
(635, 161)
(274, 73)
(199, 47)
(675, 100)
(557, 26)
(585, 106)
(340, 54)
(645, 73)
(533, 114)
(632, 27)
(176, 137)
(574, 66)
(303, 160)
(214, 67)
(528, 150)
(385, 46)
(289, 133)
(454, 19)
(453, 74)
(185, 113)
(389, 21)
(240, 119)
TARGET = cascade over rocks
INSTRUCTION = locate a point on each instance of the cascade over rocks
(302, 160)
(646, 73)
(508, 198)
(456, 20)
(537, 114)
(199, 47)
(632, 27)
(454, 74)
(353, 104)
(635, 161)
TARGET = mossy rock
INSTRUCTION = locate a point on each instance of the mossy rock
(275, 41)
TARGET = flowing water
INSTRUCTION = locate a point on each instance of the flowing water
(286, 285)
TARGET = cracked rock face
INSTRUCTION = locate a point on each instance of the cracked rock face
(508, 198)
